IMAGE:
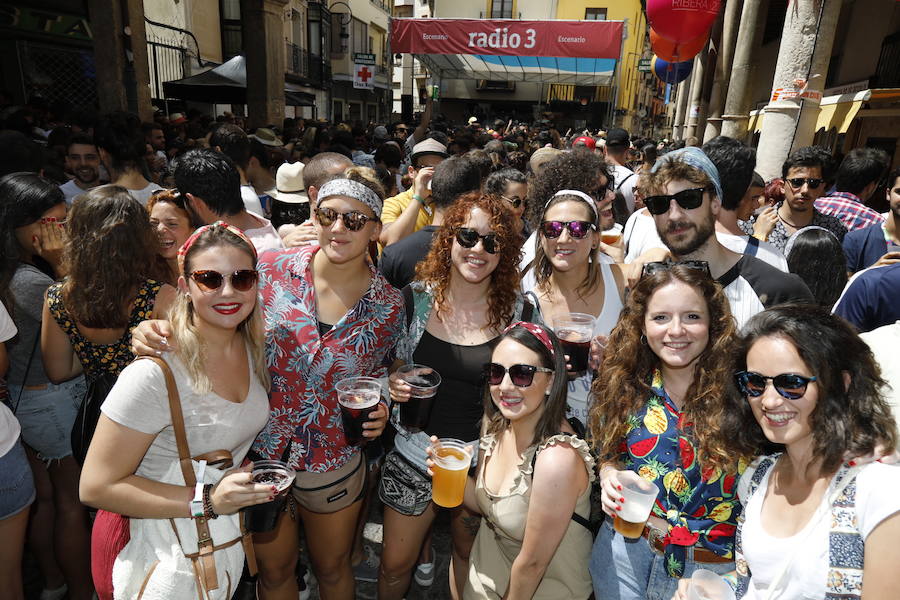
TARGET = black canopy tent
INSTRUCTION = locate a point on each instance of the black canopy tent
(227, 84)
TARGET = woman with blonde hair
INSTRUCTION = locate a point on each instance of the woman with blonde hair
(659, 404)
(132, 467)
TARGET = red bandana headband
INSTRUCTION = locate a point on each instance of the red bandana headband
(200, 231)
(537, 331)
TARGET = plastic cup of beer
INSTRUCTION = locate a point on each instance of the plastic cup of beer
(424, 382)
(639, 496)
(358, 397)
(262, 517)
(575, 331)
(451, 467)
(706, 585)
(611, 235)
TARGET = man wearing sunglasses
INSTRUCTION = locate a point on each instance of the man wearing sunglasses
(684, 201)
(805, 173)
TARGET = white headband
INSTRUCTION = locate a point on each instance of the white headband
(351, 189)
(591, 202)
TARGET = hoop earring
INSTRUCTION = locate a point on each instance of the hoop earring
(643, 339)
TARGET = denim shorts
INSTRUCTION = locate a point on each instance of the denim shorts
(16, 482)
(47, 416)
(629, 570)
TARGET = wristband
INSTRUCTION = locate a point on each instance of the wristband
(208, 510)
(419, 199)
(196, 503)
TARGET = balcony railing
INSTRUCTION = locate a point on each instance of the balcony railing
(302, 63)
(887, 73)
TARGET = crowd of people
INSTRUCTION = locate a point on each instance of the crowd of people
(182, 299)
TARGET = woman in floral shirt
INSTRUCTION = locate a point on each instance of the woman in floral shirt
(660, 396)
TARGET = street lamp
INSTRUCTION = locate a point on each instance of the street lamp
(344, 34)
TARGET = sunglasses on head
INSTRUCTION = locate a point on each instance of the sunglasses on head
(686, 199)
(241, 280)
(577, 229)
(514, 202)
(789, 385)
(353, 219)
(468, 237)
(655, 267)
(520, 375)
(812, 183)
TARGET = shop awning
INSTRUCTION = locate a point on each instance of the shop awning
(568, 52)
(756, 121)
(838, 112)
(227, 84)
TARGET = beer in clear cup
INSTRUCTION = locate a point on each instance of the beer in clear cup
(358, 397)
(639, 496)
(611, 235)
(451, 467)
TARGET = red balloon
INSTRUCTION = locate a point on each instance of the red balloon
(673, 52)
(682, 20)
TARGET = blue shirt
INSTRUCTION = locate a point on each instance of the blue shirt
(871, 299)
(863, 247)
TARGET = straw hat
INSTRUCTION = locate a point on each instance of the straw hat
(289, 185)
(266, 137)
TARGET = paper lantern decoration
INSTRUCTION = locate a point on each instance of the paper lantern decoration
(676, 52)
(681, 21)
(671, 73)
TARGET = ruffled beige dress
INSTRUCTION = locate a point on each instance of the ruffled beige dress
(502, 531)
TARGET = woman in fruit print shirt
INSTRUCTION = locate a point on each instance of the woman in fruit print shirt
(659, 398)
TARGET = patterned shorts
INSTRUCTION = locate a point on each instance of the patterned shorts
(403, 487)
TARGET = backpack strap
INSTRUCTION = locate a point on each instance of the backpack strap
(621, 183)
(409, 303)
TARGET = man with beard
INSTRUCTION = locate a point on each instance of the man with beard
(83, 161)
(878, 244)
(804, 175)
(685, 201)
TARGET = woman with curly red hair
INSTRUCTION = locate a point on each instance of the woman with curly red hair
(659, 403)
(465, 293)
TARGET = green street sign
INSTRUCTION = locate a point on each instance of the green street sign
(363, 58)
(644, 65)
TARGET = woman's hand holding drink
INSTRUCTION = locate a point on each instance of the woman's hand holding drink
(361, 410)
(422, 383)
(575, 332)
(238, 489)
(449, 461)
(628, 498)
(277, 477)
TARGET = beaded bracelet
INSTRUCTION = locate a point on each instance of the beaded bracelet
(208, 511)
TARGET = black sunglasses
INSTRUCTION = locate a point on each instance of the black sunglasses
(515, 202)
(520, 375)
(686, 199)
(789, 385)
(577, 229)
(468, 237)
(655, 267)
(353, 219)
(241, 280)
(812, 183)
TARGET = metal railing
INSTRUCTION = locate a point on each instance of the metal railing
(887, 73)
(300, 62)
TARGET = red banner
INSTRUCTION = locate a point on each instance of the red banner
(577, 39)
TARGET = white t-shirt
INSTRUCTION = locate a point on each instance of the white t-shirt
(251, 200)
(624, 180)
(640, 235)
(265, 237)
(143, 195)
(765, 252)
(884, 343)
(9, 425)
(70, 189)
(139, 401)
(877, 498)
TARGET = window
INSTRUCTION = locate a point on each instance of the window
(595, 14)
(359, 36)
(232, 37)
(775, 18)
(501, 9)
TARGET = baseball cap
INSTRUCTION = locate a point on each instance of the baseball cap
(587, 141)
(617, 137)
(428, 147)
(380, 133)
(289, 185)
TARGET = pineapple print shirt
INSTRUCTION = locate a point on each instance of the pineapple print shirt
(699, 504)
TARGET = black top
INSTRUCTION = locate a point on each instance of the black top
(458, 405)
(399, 260)
(324, 328)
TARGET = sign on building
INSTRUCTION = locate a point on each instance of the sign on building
(363, 76)
(644, 65)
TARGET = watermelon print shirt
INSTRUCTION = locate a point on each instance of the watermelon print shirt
(699, 505)
(303, 406)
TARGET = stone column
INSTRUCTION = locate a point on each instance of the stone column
(725, 57)
(263, 37)
(737, 101)
(121, 85)
(684, 93)
(805, 50)
(696, 104)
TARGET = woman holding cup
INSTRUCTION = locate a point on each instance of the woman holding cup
(132, 465)
(571, 277)
(533, 481)
(657, 417)
(465, 294)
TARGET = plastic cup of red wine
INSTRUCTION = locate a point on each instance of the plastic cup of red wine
(262, 517)
(575, 331)
(424, 382)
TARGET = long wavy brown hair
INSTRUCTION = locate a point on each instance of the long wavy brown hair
(435, 269)
(624, 382)
(109, 252)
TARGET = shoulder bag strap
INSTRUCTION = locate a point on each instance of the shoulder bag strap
(800, 543)
(621, 183)
(37, 340)
(206, 570)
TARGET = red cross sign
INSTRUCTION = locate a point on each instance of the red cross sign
(363, 77)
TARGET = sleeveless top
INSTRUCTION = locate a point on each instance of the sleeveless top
(98, 359)
(579, 389)
(502, 532)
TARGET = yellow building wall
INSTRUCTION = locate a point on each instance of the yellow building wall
(205, 25)
(636, 30)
